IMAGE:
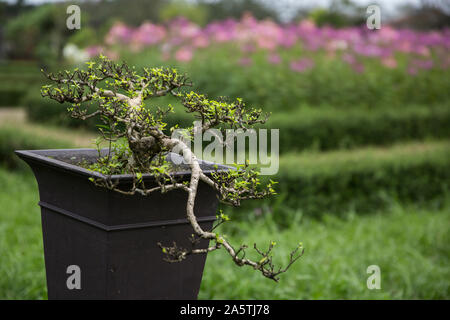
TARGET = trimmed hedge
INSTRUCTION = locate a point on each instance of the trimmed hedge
(12, 138)
(16, 81)
(307, 128)
(11, 96)
(360, 181)
(327, 129)
(44, 110)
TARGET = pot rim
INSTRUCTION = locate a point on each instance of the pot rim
(38, 156)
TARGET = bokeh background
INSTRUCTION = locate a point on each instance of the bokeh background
(364, 119)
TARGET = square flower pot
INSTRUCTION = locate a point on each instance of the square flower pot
(109, 240)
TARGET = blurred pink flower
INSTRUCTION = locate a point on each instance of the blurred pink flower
(358, 67)
(267, 43)
(190, 30)
(94, 51)
(267, 34)
(200, 41)
(302, 64)
(423, 64)
(387, 34)
(119, 33)
(274, 58)
(148, 34)
(182, 38)
(184, 54)
(412, 70)
(349, 58)
(423, 51)
(248, 20)
(288, 39)
(245, 61)
(307, 25)
(404, 46)
(337, 45)
(248, 48)
(389, 62)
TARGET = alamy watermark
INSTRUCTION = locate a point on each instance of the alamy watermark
(374, 19)
(374, 280)
(74, 280)
(239, 146)
(73, 21)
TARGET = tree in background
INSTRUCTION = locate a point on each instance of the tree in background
(37, 34)
(219, 10)
(197, 13)
(430, 14)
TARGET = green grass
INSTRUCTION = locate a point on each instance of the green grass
(410, 246)
(22, 273)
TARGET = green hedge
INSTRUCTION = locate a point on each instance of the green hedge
(327, 129)
(307, 128)
(44, 110)
(331, 128)
(12, 138)
(362, 181)
(16, 80)
(11, 96)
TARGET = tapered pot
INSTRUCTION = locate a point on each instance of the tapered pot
(100, 244)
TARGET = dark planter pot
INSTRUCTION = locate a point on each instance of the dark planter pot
(111, 237)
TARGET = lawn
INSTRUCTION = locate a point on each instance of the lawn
(411, 246)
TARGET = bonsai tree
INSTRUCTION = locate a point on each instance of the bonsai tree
(139, 143)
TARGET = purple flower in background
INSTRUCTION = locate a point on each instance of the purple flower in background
(288, 38)
(268, 34)
(245, 61)
(119, 33)
(358, 67)
(337, 45)
(389, 62)
(274, 58)
(189, 30)
(181, 39)
(423, 64)
(302, 64)
(94, 51)
(148, 34)
(368, 50)
(248, 48)
(184, 54)
(200, 41)
(412, 71)
(348, 58)
(307, 25)
(422, 50)
(404, 46)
